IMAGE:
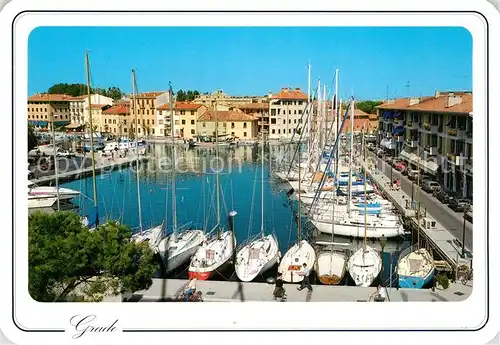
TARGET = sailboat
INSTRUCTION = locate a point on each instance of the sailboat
(177, 248)
(215, 254)
(331, 260)
(416, 265)
(260, 254)
(365, 264)
(152, 235)
(301, 252)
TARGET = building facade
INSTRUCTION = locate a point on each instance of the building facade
(435, 133)
(233, 123)
(145, 109)
(285, 111)
(220, 98)
(45, 108)
(259, 110)
(117, 119)
(186, 116)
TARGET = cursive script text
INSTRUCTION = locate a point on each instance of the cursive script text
(86, 324)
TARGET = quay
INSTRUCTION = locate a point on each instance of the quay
(437, 236)
(103, 164)
(226, 291)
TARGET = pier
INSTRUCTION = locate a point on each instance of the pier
(225, 291)
(440, 240)
(103, 164)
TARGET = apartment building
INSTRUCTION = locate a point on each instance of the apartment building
(45, 108)
(78, 108)
(362, 121)
(145, 109)
(285, 112)
(230, 122)
(260, 110)
(186, 116)
(433, 132)
(97, 116)
(117, 120)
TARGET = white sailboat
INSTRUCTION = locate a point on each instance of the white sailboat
(260, 254)
(214, 254)
(330, 259)
(178, 248)
(365, 264)
(300, 253)
(152, 235)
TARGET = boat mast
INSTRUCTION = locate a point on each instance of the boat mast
(418, 193)
(309, 120)
(56, 168)
(299, 233)
(350, 158)
(137, 152)
(334, 138)
(217, 181)
(364, 185)
(262, 185)
(91, 135)
(174, 200)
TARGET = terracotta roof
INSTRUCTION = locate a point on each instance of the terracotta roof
(227, 115)
(153, 94)
(52, 97)
(261, 105)
(287, 93)
(120, 109)
(430, 103)
(180, 106)
(97, 106)
(360, 124)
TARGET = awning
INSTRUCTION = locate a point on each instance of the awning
(38, 123)
(60, 123)
(388, 114)
(388, 143)
(397, 114)
(74, 125)
(428, 166)
(399, 130)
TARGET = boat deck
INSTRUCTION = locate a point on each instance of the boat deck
(440, 238)
(224, 291)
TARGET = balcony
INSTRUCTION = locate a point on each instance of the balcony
(415, 125)
(431, 151)
(452, 132)
(411, 143)
(461, 133)
(427, 126)
(434, 129)
(263, 123)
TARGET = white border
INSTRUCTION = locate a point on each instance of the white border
(463, 315)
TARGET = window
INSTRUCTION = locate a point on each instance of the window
(273, 112)
(300, 111)
(183, 122)
(232, 124)
(279, 110)
(289, 121)
(295, 121)
(284, 122)
(152, 122)
(153, 131)
(244, 125)
(183, 112)
(289, 112)
(295, 112)
(232, 133)
(105, 121)
(148, 121)
(36, 109)
(192, 112)
(273, 121)
(124, 122)
(147, 112)
(273, 131)
(192, 131)
(300, 103)
(244, 134)
(279, 131)
(192, 122)
(114, 130)
(204, 124)
(114, 122)
(289, 131)
(125, 130)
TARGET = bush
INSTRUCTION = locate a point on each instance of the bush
(442, 279)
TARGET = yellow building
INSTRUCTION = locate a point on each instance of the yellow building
(97, 116)
(45, 108)
(231, 122)
(117, 120)
(145, 108)
(186, 116)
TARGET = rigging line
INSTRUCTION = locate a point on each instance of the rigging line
(250, 221)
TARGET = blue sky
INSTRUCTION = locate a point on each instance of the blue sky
(253, 61)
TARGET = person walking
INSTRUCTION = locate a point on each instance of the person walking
(305, 282)
(191, 289)
(279, 290)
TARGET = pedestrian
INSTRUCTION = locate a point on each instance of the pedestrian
(190, 289)
(379, 294)
(279, 291)
(305, 281)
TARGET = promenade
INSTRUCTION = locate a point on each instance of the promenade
(225, 291)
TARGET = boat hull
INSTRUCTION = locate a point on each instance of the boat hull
(415, 269)
(330, 267)
(364, 269)
(291, 262)
(246, 268)
(358, 230)
(409, 282)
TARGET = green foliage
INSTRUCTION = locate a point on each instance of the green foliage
(32, 139)
(368, 106)
(188, 95)
(69, 262)
(81, 89)
(442, 279)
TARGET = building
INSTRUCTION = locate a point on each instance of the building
(220, 98)
(145, 109)
(285, 112)
(45, 108)
(259, 110)
(97, 116)
(433, 132)
(117, 119)
(232, 122)
(362, 121)
(78, 108)
(186, 116)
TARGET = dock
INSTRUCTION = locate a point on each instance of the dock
(226, 291)
(103, 164)
(440, 239)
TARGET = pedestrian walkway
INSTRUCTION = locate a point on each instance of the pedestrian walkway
(224, 291)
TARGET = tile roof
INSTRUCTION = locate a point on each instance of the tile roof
(287, 93)
(52, 97)
(152, 94)
(226, 115)
(120, 109)
(261, 105)
(97, 106)
(432, 103)
(180, 106)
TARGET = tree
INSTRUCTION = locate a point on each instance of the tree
(67, 260)
(74, 90)
(189, 95)
(32, 138)
(368, 106)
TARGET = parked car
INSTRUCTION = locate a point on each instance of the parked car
(380, 153)
(431, 186)
(442, 196)
(400, 166)
(389, 159)
(412, 174)
(423, 179)
(395, 161)
(458, 205)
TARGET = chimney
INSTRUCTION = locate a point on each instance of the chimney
(437, 94)
(453, 100)
(413, 101)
